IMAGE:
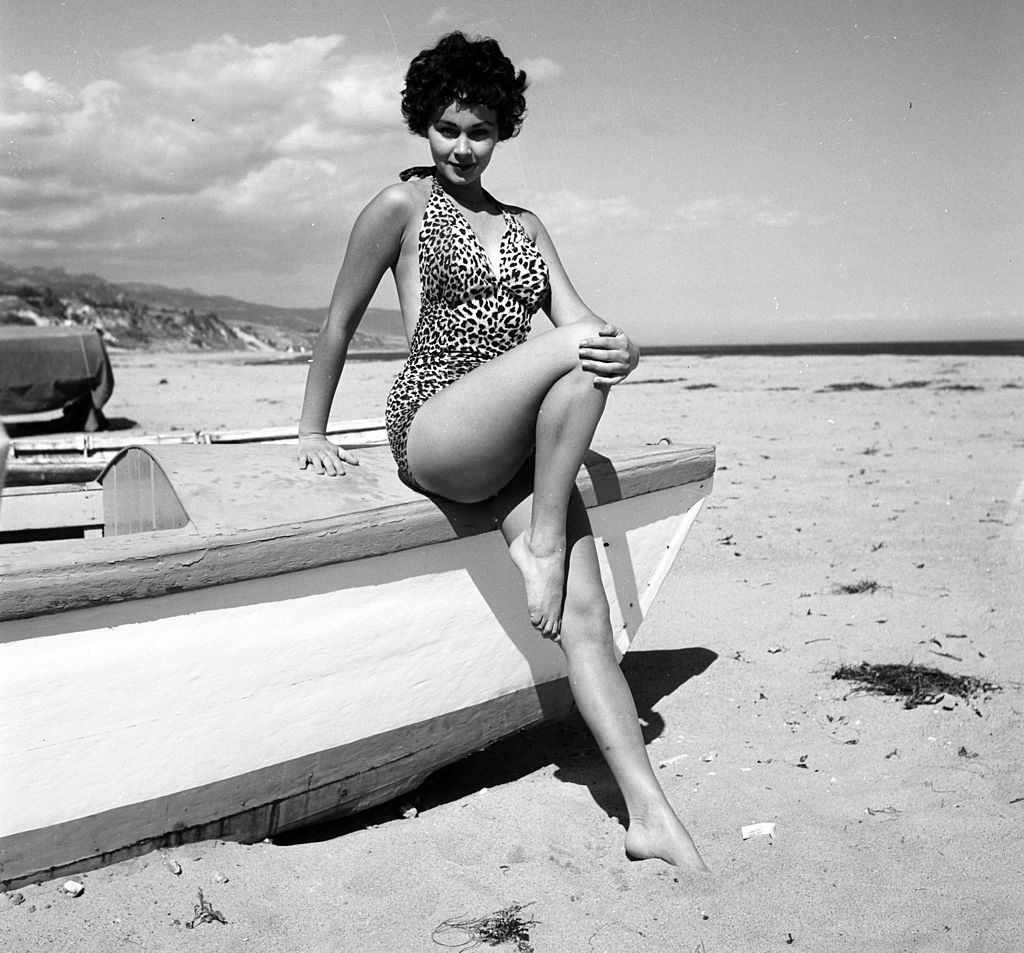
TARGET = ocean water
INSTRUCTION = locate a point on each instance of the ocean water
(1013, 347)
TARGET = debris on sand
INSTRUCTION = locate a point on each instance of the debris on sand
(764, 829)
(918, 684)
(502, 926)
(848, 385)
(856, 588)
(204, 913)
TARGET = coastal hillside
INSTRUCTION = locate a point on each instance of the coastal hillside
(144, 317)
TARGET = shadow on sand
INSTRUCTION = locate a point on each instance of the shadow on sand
(65, 424)
(568, 744)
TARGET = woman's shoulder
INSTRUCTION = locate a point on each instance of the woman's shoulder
(400, 200)
(529, 219)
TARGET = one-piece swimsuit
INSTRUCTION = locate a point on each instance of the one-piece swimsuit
(468, 313)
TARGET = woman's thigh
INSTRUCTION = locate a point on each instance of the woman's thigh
(468, 440)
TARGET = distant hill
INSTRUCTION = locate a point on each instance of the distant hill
(145, 316)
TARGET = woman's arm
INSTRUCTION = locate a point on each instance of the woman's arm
(610, 354)
(373, 247)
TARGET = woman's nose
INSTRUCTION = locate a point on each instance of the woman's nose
(462, 146)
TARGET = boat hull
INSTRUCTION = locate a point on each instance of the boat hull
(241, 707)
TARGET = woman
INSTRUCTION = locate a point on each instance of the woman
(479, 412)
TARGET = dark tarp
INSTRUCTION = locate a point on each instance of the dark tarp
(47, 369)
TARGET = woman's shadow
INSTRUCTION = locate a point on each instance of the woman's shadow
(652, 675)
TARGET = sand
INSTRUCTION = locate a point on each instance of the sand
(895, 829)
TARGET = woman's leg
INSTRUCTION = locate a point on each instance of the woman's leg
(600, 689)
(469, 440)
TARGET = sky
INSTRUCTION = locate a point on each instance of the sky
(711, 171)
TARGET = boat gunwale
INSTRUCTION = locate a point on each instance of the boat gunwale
(41, 580)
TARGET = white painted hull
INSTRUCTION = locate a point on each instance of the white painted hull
(248, 706)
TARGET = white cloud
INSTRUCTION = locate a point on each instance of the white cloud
(714, 212)
(541, 69)
(216, 139)
(439, 17)
(566, 212)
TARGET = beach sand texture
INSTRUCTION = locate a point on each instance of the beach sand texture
(895, 829)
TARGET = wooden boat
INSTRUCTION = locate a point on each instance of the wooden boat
(241, 647)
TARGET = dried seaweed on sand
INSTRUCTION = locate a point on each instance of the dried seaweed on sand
(918, 684)
(204, 913)
(856, 588)
(848, 385)
(502, 926)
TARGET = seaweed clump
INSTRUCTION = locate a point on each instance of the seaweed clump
(857, 588)
(502, 926)
(204, 913)
(918, 684)
(848, 385)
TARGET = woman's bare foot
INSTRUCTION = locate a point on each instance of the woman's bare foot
(661, 835)
(543, 570)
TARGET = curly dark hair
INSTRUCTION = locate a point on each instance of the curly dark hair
(468, 72)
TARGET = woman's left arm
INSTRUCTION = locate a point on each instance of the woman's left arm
(608, 353)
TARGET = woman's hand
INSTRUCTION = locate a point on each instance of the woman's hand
(325, 457)
(611, 356)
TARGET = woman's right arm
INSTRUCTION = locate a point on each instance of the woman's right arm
(373, 246)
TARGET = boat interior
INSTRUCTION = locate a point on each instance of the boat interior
(131, 496)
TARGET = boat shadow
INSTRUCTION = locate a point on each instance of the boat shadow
(652, 674)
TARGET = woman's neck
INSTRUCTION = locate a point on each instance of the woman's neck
(472, 196)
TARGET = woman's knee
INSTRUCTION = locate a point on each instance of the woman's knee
(572, 335)
(587, 621)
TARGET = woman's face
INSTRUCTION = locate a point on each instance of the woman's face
(462, 140)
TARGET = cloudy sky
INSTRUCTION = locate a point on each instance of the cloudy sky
(711, 170)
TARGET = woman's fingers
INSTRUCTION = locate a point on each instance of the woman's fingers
(326, 460)
(604, 362)
(605, 381)
(595, 355)
(606, 369)
(610, 342)
(608, 356)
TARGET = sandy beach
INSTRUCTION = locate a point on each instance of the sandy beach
(895, 829)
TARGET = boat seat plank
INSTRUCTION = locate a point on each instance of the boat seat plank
(73, 505)
(236, 488)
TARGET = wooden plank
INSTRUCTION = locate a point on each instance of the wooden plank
(374, 425)
(71, 506)
(34, 471)
(91, 443)
(71, 458)
(218, 487)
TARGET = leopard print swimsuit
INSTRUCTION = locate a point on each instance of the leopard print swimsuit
(468, 314)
